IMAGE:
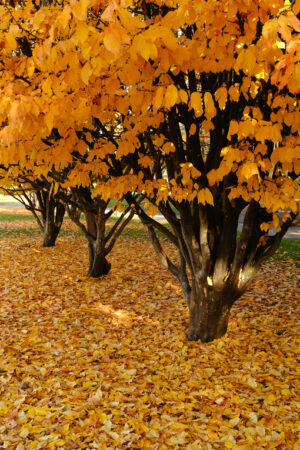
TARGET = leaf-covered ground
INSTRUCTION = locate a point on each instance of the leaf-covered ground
(105, 363)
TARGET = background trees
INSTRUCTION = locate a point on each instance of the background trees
(37, 197)
(101, 239)
(154, 78)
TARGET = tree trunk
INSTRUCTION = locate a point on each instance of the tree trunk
(53, 221)
(98, 264)
(50, 235)
(209, 313)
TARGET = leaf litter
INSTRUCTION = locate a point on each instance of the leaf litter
(105, 363)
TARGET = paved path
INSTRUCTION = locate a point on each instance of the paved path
(11, 205)
(293, 232)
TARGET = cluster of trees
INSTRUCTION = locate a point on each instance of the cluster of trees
(189, 106)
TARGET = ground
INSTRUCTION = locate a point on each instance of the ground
(105, 363)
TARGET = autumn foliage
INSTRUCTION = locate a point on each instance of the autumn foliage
(192, 104)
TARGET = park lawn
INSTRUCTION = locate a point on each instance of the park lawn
(105, 363)
(12, 224)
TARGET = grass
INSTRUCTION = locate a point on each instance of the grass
(289, 249)
(15, 217)
(15, 232)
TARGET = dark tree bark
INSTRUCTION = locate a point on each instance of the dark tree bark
(53, 218)
(101, 240)
(209, 313)
(98, 264)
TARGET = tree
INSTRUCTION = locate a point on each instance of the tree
(36, 196)
(101, 239)
(63, 179)
(205, 98)
(52, 214)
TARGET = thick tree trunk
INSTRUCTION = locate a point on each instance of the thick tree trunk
(209, 313)
(98, 264)
(53, 222)
(50, 235)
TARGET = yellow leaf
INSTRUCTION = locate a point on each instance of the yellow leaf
(169, 147)
(64, 17)
(46, 86)
(146, 161)
(208, 197)
(159, 141)
(234, 93)
(239, 63)
(260, 430)
(229, 444)
(250, 59)
(10, 42)
(171, 96)
(86, 72)
(183, 96)
(204, 196)
(252, 416)
(296, 7)
(30, 68)
(195, 172)
(24, 431)
(80, 9)
(14, 112)
(97, 397)
(221, 97)
(145, 47)
(210, 109)
(132, 372)
(35, 411)
(297, 167)
(59, 443)
(49, 121)
(234, 421)
(158, 98)
(111, 42)
(248, 169)
(108, 13)
(196, 103)
(20, 446)
(207, 125)
(212, 435)
(233, 128)
(178, 427)
(193, 129)
(129, 21)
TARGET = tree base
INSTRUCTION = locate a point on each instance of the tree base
(203, 337)
(48, 244)
(100, 269)
(208, 317)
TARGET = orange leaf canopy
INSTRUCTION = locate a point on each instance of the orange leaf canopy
(220, 65)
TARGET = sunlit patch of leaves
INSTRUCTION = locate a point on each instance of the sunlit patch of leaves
(105, 363)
